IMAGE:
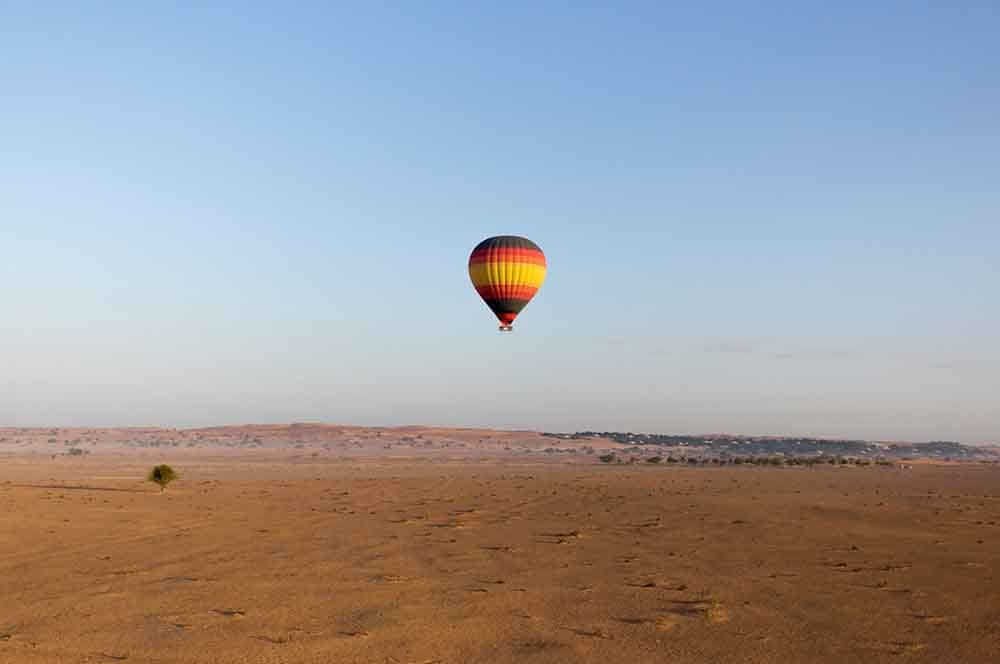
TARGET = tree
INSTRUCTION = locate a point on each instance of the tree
(607, 458)
(162, 475)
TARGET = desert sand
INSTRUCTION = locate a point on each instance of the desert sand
(276, 555)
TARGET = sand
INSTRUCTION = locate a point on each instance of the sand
(433, 559)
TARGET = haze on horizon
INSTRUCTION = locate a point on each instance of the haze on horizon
(778, 220)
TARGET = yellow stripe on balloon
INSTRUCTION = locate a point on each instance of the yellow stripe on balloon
(506, 272)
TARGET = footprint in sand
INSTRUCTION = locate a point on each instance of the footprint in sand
(389, 578)
(279, 640)
(662, 623)
(230, 613)
(898, 647)
(713, 612)
(533, 646)
(665, 623)
(593, 633)
(360, 633)
(717, 614)
(656, 583)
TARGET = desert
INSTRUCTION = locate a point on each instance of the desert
(459, 546)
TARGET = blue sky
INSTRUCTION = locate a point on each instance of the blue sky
(765, 220)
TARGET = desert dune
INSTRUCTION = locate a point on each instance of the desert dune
(284, 557)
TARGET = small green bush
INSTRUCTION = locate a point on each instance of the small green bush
(162, 475)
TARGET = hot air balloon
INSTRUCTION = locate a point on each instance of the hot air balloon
(507, 271)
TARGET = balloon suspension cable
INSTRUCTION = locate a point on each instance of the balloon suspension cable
(506, 327)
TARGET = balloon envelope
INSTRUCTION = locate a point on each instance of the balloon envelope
(507, 271)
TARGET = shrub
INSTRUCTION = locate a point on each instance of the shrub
(162, 475)
(655, 459)
(607, 458)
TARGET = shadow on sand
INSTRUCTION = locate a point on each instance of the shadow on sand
(65, 487)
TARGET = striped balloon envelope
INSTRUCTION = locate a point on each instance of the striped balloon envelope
(507, 271)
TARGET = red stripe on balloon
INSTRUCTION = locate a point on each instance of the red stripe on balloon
(505, 292)
(499, 255)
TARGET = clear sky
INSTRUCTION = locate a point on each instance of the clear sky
(759, 217)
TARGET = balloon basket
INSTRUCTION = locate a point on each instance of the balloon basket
(506, 328)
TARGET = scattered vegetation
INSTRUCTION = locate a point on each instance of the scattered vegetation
(723, 444)
(162, 475)
(770, 461)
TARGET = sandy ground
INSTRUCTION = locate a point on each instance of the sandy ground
(421, 561)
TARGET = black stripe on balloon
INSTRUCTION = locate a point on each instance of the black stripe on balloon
(506, 305)
(506, 242)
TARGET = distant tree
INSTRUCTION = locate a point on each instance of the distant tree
(655, 459)
(607, 458)
(162, 475)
